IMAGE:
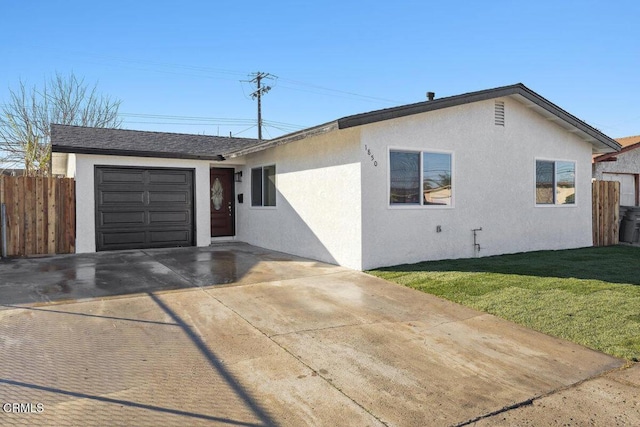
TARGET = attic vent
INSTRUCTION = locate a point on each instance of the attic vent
(499, 113)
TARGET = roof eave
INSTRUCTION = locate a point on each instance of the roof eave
(285, 139)
(609, 156)
(587, 132)
(132, 153)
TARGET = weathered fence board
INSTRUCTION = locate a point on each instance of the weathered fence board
(606, 212)
(40, 215)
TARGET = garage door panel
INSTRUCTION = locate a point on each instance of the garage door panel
(168, 177)
(179, 197)
(118, 197)
(159, 218)
(122, 218)
(169, 236)
(121, 176)
(118, 238)
(143, 208)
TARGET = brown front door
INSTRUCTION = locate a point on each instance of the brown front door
(222, 203)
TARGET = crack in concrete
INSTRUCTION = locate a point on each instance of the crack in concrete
(498, 412)
(530, 401)
(301, 361)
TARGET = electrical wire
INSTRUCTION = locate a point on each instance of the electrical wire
(242, 131)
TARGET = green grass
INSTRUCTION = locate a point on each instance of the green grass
(589, 296)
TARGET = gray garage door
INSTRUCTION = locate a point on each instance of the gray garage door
(140, 208)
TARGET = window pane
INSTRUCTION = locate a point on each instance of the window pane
(405, 177)
(436, 178)
(544, 182)
(256, 187)
(269, 180)
(566, 183)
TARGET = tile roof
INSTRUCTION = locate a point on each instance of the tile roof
(87, 140)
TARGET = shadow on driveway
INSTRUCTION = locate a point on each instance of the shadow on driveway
(111, 342)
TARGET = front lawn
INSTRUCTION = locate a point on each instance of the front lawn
(590, 296)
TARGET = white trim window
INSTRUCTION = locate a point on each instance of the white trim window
(263, 186)
(422, 178)
(555, 182)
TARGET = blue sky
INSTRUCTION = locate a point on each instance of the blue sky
(177, 66)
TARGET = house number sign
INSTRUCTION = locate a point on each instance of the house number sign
(370, 154)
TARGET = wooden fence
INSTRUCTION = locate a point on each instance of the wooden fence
(606, 212)
(40, 215)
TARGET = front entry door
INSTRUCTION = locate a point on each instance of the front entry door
(222, 203)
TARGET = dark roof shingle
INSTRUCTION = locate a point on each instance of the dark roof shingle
(87, 140)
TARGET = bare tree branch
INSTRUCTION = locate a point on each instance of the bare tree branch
(25, 120)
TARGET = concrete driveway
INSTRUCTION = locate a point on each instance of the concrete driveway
(240, 336)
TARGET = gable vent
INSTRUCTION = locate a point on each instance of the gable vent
(499, 113)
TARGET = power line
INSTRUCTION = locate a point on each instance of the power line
(257, 94)
(201, 120)
(344, 92)
(157, 67)
(185, 124)
(242, 131)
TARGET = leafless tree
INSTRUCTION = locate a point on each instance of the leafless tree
(25, 120)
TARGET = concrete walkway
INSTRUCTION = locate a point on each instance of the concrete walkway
(239, 336)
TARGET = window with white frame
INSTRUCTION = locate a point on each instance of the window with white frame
(555, 182)
(420, 178)
(263, 186)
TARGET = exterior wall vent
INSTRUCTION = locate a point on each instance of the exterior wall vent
(499, 113)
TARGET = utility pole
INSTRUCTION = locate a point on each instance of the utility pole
(257, 94)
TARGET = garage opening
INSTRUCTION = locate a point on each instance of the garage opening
(138, 208)
(628, 187)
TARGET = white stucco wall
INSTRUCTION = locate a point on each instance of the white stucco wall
(318, 201)
(84, 173)
(493, 184)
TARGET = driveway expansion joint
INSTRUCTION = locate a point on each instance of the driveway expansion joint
(302, 331)
(410, 358)
(302, 362)
(194, 283)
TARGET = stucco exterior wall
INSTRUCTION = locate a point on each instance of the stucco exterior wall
(85, 198)
(318, 200)
(627, 162)
(626, 170)
(493, 186)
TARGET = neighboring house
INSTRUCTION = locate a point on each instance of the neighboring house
(624, 167)
(391, 186)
